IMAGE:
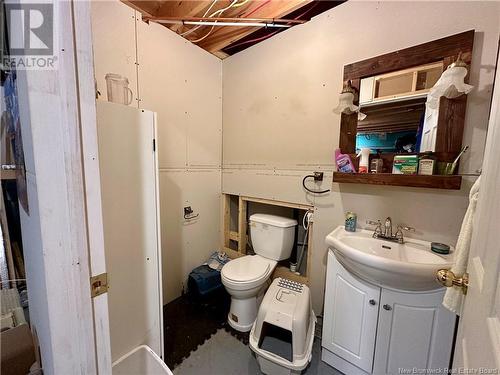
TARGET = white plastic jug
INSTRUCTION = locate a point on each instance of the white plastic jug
(118, 90)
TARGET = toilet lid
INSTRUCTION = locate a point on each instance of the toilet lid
(247, 268)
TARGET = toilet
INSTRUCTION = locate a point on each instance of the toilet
(247, 278)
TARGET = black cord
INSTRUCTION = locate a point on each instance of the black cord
(312, 191)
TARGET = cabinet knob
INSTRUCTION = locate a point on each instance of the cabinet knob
(372, 302)
(387, 307)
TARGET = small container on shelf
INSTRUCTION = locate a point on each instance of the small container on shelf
(427, 164)
(377, 164)
(405, 164)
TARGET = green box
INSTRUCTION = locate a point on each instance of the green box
(405, 164)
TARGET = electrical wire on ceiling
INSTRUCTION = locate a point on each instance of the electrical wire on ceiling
(204, 15)
(271, 34)
(240, 4)
(218, 12)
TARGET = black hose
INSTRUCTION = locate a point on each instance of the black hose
(312, 191)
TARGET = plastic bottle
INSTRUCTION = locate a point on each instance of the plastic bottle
(344, 162)
(364, 162)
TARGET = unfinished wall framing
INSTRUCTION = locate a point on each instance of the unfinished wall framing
(236, 243)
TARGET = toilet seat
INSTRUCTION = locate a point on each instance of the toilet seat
(247, 272)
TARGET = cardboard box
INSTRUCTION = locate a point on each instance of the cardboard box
(18, 351)
(405, 164)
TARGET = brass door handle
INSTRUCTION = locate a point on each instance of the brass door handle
(448, 279)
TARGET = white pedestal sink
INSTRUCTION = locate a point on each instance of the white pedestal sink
(410, 266)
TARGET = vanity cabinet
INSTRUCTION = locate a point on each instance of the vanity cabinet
(350, 316)
(374, 330)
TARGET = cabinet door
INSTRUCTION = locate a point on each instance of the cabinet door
(414, 331)
(350, 316)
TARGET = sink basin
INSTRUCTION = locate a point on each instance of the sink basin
(408, 266)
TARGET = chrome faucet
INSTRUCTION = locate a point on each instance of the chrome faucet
(388, 227)
(386, 233)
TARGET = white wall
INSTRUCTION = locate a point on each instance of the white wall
(182, 83)
(278, 122)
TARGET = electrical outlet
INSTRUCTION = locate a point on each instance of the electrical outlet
(318, 176)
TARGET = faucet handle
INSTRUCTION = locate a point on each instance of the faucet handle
(378, 229)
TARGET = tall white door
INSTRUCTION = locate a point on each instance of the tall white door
(478, 341)
(129, 191)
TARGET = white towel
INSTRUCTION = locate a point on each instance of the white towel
(453, 298)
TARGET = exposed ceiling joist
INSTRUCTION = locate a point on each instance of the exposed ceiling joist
(222, 38)
(219, 40)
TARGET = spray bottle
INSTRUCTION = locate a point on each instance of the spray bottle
(364, 162)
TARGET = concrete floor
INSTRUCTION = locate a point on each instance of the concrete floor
(223, 354)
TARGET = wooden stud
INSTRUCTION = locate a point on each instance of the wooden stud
(309, 248)
(233, 254)
(234, 236)
(242, 226)
(6, 241)
(7, 174)
(19, 261)
(277, 203)
(227, 218)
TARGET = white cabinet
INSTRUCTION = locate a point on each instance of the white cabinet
(350, 316)
(414, 331)
(375, 330)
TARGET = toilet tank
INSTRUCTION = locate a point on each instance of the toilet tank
(272, 236)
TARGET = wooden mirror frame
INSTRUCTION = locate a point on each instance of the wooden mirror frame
(451, 116)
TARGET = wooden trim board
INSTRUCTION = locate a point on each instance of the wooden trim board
(425, 53)
(278, 203)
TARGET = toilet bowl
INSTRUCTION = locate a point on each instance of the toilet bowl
(246, 279)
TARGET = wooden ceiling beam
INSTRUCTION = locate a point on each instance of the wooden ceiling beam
(182, 9)
(147, 8)
(220, 37)
(223, 37)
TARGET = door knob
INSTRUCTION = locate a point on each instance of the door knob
(372, 302)
(448, 279)
(387, 307)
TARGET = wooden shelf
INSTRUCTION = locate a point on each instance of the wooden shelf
(431, 182)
